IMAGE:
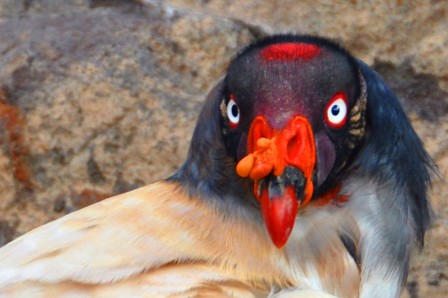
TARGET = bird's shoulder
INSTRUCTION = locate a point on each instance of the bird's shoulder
(137, 235)
(106, 241)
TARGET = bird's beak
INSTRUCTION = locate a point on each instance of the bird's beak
(281, 163)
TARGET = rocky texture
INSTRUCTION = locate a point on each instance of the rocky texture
(98, 97)
(96, 100)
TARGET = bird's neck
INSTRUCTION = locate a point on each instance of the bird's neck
(211, 176)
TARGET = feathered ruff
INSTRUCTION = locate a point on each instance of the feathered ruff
(157, 241)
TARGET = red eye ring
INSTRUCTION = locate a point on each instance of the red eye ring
(336, 111)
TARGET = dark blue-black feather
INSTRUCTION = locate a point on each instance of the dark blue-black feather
(209, 170)
(393, 152)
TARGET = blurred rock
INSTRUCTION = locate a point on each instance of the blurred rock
(98, 97)
(382, 31)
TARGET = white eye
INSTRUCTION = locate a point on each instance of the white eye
(233, 112)
(336, 114)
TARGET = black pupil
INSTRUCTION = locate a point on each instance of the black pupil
(234, 111)
(335, 110)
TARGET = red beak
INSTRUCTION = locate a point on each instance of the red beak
(270, 152)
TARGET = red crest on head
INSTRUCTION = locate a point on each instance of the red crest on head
(289, 51)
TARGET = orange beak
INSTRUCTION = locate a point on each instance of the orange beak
(281, 163)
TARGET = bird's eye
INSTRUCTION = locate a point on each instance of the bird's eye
(233, 112)
(336, 111)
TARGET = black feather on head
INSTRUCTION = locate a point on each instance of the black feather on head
(392, 151)
(209, 170)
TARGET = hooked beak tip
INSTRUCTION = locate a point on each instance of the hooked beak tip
(279, 213)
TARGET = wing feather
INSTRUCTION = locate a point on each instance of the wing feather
(174, 280)
(124, 236)
(104, 242)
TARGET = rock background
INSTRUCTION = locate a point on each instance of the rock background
(98, 97)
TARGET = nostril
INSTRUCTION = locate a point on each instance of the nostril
(300, 148)
(293, 147)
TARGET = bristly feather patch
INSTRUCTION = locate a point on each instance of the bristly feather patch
(289, 51)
